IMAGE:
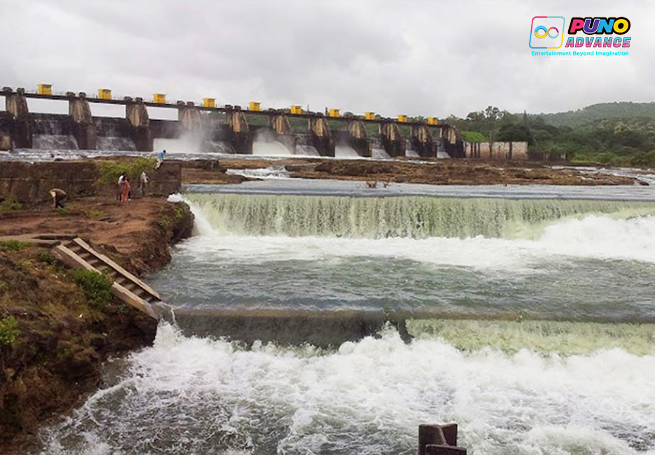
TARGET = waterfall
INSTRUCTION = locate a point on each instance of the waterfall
(346, 151)
(409, 216)
(53, 132)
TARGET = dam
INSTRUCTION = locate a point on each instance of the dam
(208, 128)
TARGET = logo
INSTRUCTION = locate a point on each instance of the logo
(547, 32)
(599, 31)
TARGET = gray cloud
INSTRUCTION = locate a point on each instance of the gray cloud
(416, 57)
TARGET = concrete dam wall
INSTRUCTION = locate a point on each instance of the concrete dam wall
(228, 129)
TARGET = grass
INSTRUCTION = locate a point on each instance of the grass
(47, 257)
(96, 286)
(111, 170)
(9, 204)
(14, 246)
(8, 330)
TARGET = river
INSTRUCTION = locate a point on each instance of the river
(531, 310)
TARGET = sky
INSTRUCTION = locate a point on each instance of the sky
(414, 57)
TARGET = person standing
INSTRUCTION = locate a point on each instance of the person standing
(121, 185)
(58, 197)
(143, 183)
(125, 196)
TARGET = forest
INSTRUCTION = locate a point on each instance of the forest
(618, 134)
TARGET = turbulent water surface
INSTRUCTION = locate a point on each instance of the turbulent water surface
(533, 330)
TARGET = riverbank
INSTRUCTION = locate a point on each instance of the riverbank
(54, 338)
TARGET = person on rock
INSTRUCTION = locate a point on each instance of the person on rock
(160, 158)
(58, 197)
(125, 196)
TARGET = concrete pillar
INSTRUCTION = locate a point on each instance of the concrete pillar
(357, 138)
(189, 116)
(322, 140)
(239, 131)
(5, 132)
(438, 440)
(392, 140)
(280, 124)
(138, 123)
(84, 130)
(282, 130)
(20, 126)
(453, 143)
(422, 141)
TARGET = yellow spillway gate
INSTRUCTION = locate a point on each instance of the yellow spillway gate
(159, 98)
(334, 113)
(209, 102)
(254, 106)
(295, 109)
(369, 115)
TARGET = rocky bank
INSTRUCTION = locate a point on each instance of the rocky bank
(61, 338)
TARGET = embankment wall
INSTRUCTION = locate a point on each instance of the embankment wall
(29, 183)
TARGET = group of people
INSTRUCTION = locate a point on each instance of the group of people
(124, 192)
(125, 188)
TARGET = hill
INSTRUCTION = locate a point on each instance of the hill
(597, 112)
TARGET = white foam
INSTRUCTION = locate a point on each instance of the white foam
(271, 172)
(370, 396)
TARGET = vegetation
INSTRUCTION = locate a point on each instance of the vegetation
(473, 136)
(96, 286)
(111, 170)
(47, 258)
(597, 112)
(8, 330)
(618, 141)
(14, 246)
(11, 203)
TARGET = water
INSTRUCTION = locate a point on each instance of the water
(192, 396)
(54, 142)
(533, 321)
(116, 143)
(346, 151)
(271, 172)
(270, 148)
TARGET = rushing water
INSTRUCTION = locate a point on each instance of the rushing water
(533, 329)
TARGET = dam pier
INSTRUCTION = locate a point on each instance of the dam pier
(229, 129)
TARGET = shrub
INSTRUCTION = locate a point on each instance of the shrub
(96, 286)
(111, 170)
(14, 246)
(643, 159)
(46, 257)
(8, 330)
(11, 203)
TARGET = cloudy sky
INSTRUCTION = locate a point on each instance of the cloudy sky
(423, 57)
